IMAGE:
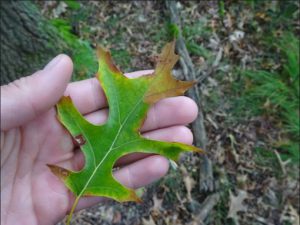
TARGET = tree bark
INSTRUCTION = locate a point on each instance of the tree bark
(28, 41)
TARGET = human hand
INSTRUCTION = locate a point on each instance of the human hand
(32, 137)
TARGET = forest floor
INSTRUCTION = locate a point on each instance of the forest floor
(256, 178)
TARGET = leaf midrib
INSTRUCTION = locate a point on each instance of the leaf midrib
(118, 133)
(110, 148)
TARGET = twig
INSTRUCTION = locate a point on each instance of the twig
(189, 74)
(209, 203)
(281, 162)
(206, 179)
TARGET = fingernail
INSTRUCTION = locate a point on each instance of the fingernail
(53, 62)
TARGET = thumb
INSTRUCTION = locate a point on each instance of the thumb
(28, 97)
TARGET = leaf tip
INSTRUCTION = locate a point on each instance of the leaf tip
(59, 171)
(130, 196)
(100, 51)
(133, 197)
(105, 59)
(64, 100)
(171, 46)
(174, 88)
(198, 150)
(167, 56)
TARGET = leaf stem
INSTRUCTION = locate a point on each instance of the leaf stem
(72, 210)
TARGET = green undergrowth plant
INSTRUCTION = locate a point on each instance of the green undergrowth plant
(122, 57)
(81, 51)
(72, 4)
(276, 94)
(192, 33)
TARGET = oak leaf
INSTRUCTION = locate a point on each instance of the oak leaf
(128, 100)
(237, 205)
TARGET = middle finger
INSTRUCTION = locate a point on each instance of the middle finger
(165, 113)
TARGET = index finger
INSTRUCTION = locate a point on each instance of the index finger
(88, 96)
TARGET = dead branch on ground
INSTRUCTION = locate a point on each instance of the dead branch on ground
(206, 174)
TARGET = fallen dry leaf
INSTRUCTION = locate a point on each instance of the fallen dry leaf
(156, 203)
(149, 222)
(236, 204)
(189, 182)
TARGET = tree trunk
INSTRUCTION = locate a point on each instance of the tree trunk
(28, 41)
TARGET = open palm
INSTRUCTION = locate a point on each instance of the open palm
(32, 137)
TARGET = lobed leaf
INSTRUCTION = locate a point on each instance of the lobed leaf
(129, 100)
